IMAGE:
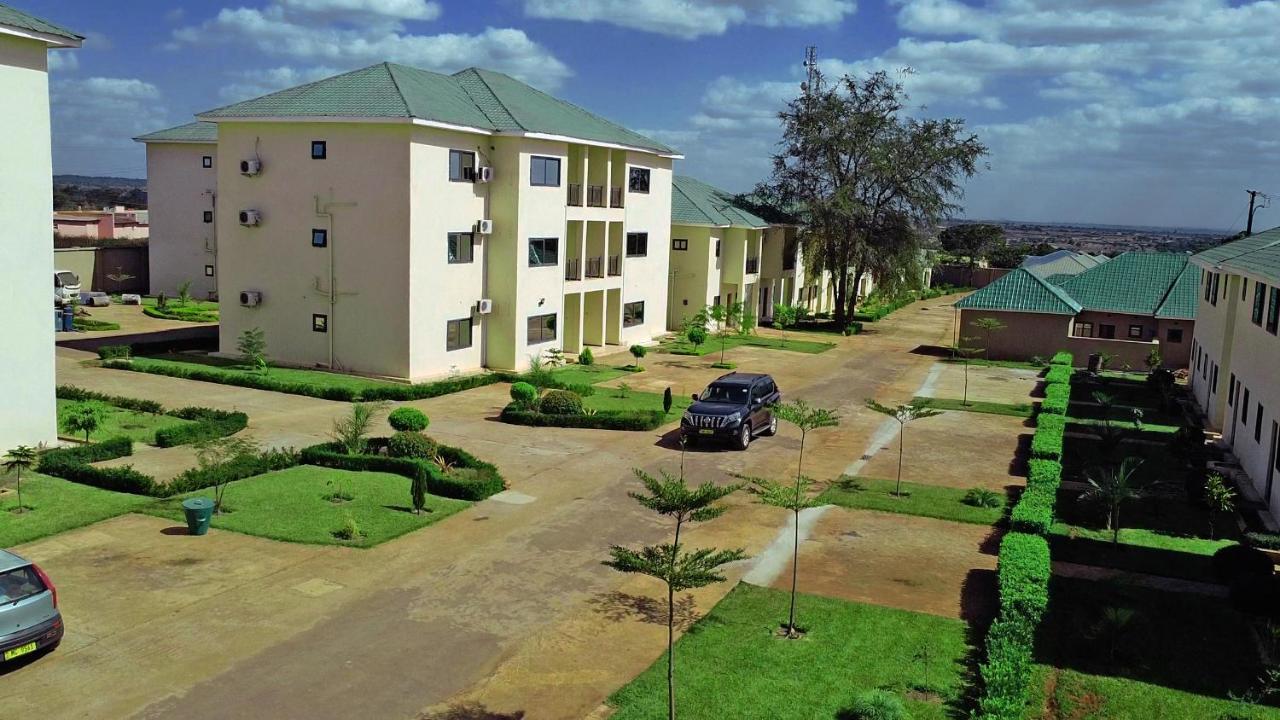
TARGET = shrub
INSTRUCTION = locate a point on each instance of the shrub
(854, 328)
(1058, 374)
(1263, 540)
(73, 464)
(209, 424)
(470, 479)
(561, 402)
(604, 420)
(585, 357)
(666, 401)
(1023, 578)
(1034, 512)
(1054, 405)
(1062, 357)
(114, 352)
(638, 352)
(237, 468)
(406, 444)
(349, 530)
(524, 395)
(1236, 561)
(981, 497)
(1044, 473)
(876, 705)
(1046, 444)
(70, 392)
(407, 419)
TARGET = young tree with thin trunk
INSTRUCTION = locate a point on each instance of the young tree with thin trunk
(84, 418)
(18, 459)
(966, 353)
(795, 497)
(1112, 487)
(212, 454)
(988, 325)
(672, 497)
(904, 414)
(726, 317)
(784, 316)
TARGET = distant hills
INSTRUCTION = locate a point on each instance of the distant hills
(72, 192)
(104, 182)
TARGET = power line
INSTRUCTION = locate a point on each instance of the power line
(1253, 197)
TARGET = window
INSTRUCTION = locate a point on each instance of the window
(1107, 332)
(715, 302)
(639, 180)
(1244, 289)
(462, 166)
(544, 252)
(679, 244)
(20, 584)
(461, 247)
(319, 149)
(637, 244)
(633, 314)
(1257, 425)
(208, 216)
(1273, 311)
(1213, 297)
(717, 247)
(1231, 390)
(1083, 329)
(1213, 381)
(1173, 335)
(544, 171)
(319, 237)
(319, 323)
(1208, 284)
(542, 328)
(458, 334)
(1244, 407)
(1259, 299)
(206, 161)
(208, 271)
(1135, 331)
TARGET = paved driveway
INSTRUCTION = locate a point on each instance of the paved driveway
(505, 605)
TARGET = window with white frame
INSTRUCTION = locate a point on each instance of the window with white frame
(461, 247)
(458, 334)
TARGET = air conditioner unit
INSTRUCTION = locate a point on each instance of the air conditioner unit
(250, 167)
(250, 298)
(484, 174)
(250, 218)
(484, 306)
(484, 227)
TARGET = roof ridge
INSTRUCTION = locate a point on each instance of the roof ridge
(497, 98)
(396, 84)
(296, 88)
(1169, 290)
(1058, 291)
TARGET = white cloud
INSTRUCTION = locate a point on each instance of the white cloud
(403, 9)
(254, 83)
(63, 61)
(694, 18)
(95, 118)
(277, 30)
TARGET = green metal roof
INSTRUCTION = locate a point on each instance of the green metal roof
(1181, 302)
(1061, 262)
(1136, 283)
(694, 202)
(193, 132)
(1256, 255)
(473, 98)
(18, 19)
(1021, 291)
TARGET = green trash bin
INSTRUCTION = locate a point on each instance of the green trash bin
(199, 511)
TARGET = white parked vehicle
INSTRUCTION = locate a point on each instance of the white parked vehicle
(66, 286)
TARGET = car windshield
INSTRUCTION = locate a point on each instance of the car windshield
(19, 584)
(736, 394)
(67, 278)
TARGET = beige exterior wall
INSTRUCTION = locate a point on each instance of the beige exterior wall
(81, 261)
(694, 275)
(26, 251)
(1026, 335)
(179, 191)
(1032, 335)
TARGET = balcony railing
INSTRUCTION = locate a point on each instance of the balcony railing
(573, 269)
(615, 265)
(575, 194)
(595, 196)
(615, 197)
(753, 265)
(595, 267)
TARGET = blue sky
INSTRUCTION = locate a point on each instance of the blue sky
(1156, 112)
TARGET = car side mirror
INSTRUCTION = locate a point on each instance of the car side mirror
(695, 397)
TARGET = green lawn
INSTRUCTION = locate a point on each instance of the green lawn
(1124, 652)
(588, 374)
(1122, 423)
(612, 399)
(1016, 364)
(202, 311)
(991, 408)
(57, 505)
(680, 346)
(115, 421)
(731, 664)
(925, 500)
(291, 505)
(233, 368)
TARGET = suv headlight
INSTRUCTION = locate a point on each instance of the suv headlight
(733, 419)
(687, 417)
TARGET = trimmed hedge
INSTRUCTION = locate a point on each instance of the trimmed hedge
(1034, 511)
(1023, 576)
(1057, 397)
(1058, 374)
(407, 419)
(471, 478)
(114, 352)
(70, 392)
(560, 402)
(234, 469)
(89, 325)
(208, 425)
(603, 420)
(1062, 357)
(1046, 444)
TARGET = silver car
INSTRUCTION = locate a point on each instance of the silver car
(29, 617)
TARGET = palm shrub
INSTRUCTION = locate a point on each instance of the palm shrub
(16, 460)
(407, 419)
(561, 402)
(252, 345)
(876, 705)
(1112, 487)
(524, 395)
(1220, 498)
(350, 431)
(213, 456)
(981, 497)
(407, 444)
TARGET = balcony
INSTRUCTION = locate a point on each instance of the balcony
(615, 197)
(575, 194)
(615, 265)
(753, 265)
(788, 263)
(595, 267)
(573, 269)
(595, 196)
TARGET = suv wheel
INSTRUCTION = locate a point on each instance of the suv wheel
(744, 436)
(772, 428)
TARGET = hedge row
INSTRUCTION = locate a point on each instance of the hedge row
(1034, 511)
(75, 394)
(602, 420)
(1057, 396)
(1058, 374)
(875, 308)
(208, 424)
(1062, 357)
(470, 478)
(1023, 576)
(1046, 443)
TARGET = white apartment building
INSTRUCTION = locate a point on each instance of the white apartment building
(26, 211)
(1235, 354)
(397, 222)
(182, 188)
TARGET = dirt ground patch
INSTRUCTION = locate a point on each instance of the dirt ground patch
(986, 384)
(957, 449)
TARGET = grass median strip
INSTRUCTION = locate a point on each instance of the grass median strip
(943, 503)
(978, 406)
(57, 505)
(681, 346)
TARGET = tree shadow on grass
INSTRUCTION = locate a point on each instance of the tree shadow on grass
(472, 711)
(619, 606)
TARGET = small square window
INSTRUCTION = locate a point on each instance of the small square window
(633, 314)
(208, 271)
(457, 334)
(208, 216)
(679, 244)
(540, 329)
(206, 161)
(319, 149)
(1135, 331)
(637, 244)
(1173, 335)
(638, 180)
(461, 247)
(544, 171)
(462, 166)
(319, 237)
(320, 323)
(544, 252)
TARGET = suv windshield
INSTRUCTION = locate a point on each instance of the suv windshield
(66, 278)
(736, 394)
(19, 584)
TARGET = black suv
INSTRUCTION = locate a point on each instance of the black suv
(735, 407)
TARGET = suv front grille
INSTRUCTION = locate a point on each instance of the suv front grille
(708, 421)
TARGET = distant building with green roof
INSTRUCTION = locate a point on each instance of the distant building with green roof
(1124, 307)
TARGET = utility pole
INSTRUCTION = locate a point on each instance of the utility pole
(810, 68)
(1253, 196)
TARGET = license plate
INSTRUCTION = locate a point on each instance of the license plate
(19, 651)
(706, 431)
